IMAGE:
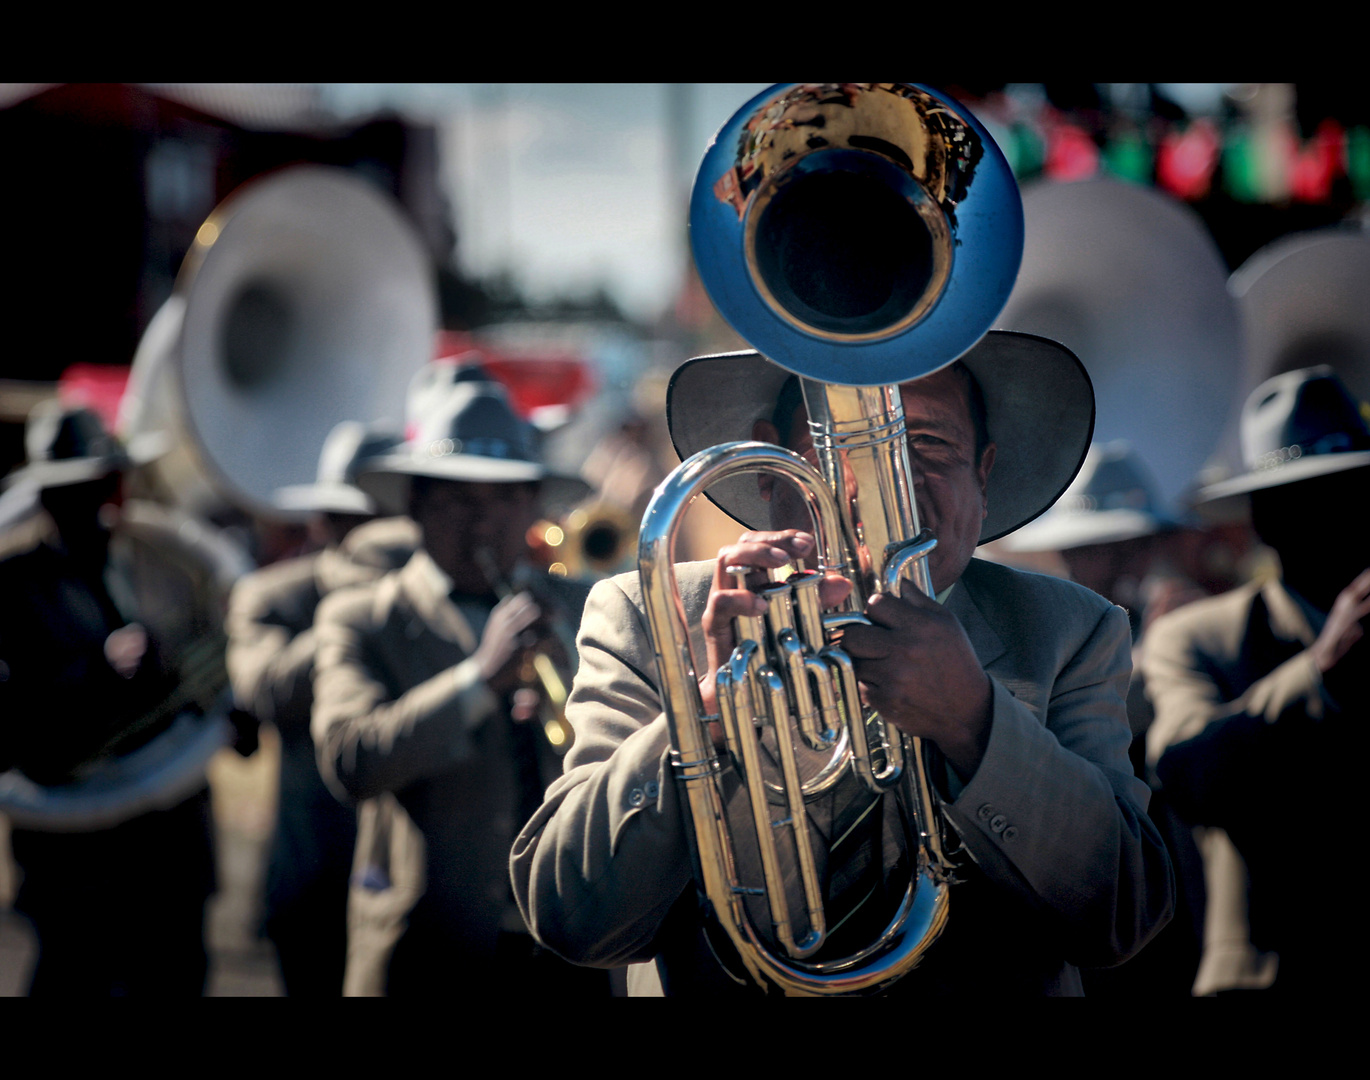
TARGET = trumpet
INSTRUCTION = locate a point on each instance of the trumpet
(859, 235)
(539, 669)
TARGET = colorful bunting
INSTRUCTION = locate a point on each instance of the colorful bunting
(1252, 164)
(1186, 160)
(1071, 153)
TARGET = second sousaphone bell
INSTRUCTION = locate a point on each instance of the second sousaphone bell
(307, 299)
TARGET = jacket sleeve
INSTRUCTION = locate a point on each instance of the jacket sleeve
(370, 739)
(1207, 739)
(1055, 814)
(592, 888)
(270, 666)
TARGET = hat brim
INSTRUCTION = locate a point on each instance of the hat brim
(324, 499)
(139, 450)
(387, 479)
(1290, 472)
(1063, 530)
(1039, 404)
(65, 473)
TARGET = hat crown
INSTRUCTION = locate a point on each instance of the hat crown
(1113, 477)
(434, 381)
(58, 432)
(1301, 414)
(474, 418)
(349, 446)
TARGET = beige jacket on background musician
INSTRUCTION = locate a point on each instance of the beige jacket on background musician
(270, 661)
(1243, 657)
(400, 709)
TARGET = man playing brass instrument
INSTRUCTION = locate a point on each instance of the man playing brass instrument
(1015, 681)
(418, 689)
(116, 900)
(1263, 689)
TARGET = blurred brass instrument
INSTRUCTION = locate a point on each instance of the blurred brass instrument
(307, 299)
(859, 235)
(172, 574)
(539, 669)
(590, 541)
(1132, 282)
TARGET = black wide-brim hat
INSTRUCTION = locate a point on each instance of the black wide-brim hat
(69, 444)
(1114, 498)
(1039, 406)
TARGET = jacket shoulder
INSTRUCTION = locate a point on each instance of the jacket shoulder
(288, 578)
(693, 580)
(365, 605)
(23, 539)
(1025, 593)
(282, 594)
(1211, 625)
(382, 545)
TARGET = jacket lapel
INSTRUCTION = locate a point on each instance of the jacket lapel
(432, 606)
(1287, 619)
(984, 639)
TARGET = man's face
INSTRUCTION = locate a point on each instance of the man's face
(1114, 570)
(949, 484)
(1317, 527)
(459, 519)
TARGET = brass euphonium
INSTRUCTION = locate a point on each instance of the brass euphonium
(881, 230)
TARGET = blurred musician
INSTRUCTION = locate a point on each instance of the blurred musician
(271, 664)
(1110, 528)
(1261, 698)
(118, 908)
(420, 689)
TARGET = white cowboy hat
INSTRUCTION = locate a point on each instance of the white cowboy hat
(349, 446)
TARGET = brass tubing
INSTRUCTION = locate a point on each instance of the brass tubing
(741, 684)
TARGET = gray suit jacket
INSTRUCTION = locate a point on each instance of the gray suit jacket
(1067, 868)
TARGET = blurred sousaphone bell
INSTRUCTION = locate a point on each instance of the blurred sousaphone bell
(1131, 281)
(1302, 301)
(306, 300)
